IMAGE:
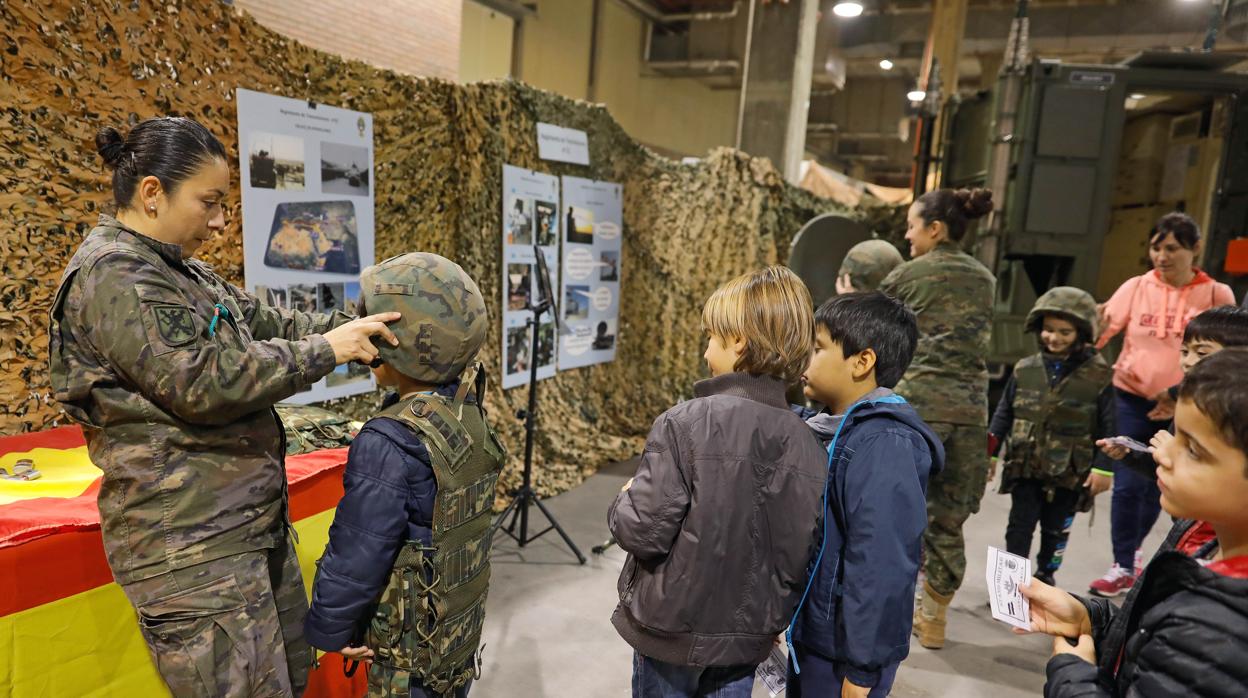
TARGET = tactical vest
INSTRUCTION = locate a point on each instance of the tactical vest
(428, 620)
(1051, 438)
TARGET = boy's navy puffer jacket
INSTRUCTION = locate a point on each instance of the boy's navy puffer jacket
(859, 606)
(388, 497)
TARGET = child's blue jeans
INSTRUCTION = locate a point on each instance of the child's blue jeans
(655, 679)
(820, 677)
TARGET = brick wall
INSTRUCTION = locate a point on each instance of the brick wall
(418, 37)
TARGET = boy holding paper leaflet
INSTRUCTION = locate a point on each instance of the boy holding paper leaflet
(1184, 631)
(851, 630)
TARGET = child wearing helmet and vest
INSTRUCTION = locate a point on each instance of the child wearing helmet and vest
(403, 580)
(1056, 405)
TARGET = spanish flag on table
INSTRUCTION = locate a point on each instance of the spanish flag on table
(66, 629)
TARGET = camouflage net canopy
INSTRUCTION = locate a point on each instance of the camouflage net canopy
(72, 67)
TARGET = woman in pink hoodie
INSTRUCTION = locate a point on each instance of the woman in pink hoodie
(1153, 309)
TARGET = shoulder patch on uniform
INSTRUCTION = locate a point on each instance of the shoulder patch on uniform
(175, 323)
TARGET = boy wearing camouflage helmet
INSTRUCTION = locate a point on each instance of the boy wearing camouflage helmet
(1057, 403)
(403, 580)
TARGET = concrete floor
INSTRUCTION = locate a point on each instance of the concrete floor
(548, 630)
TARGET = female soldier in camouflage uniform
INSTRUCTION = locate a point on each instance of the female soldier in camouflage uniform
(173, 374)
(947, 382)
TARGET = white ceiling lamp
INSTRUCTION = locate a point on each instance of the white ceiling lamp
(847, 9)
(886, 64)
(916, 95)
(1137, 96)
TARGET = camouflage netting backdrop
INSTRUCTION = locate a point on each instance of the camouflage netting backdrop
(71, 67)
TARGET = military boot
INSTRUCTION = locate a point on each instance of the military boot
(929, 617)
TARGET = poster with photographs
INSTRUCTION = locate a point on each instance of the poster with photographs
(593, 222)
(306, 172)
(530, 216)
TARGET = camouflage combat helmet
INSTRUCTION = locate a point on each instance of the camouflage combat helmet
(867, 263)
(444, 318)
(1076, 305)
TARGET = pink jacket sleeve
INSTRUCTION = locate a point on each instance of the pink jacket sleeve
(1223, 295)
(1118, 311)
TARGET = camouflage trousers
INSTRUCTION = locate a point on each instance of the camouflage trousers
(952, 496)
(228, 627)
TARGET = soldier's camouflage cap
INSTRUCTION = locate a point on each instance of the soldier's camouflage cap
(1074, 304)
(444, 318)
(867, 263)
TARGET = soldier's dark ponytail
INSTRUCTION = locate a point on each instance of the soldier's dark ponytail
(169, 148)
(954, 208)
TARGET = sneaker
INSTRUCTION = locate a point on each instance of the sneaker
(1139, 562)
(1116, 582)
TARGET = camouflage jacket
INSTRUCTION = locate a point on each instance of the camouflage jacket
(177, 414)
(952, 294)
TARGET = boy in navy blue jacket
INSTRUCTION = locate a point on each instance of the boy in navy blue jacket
(418, 494)
(852, 628)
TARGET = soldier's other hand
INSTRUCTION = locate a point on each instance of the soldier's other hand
(358, 654)
(351, 342)
(844, 284)
(1111, 449)
(1098, 483)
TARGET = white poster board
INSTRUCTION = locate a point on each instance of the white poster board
(593, 221)
(307, 181)
(530, 216)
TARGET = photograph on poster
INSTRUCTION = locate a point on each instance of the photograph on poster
(351, 294)
(276, 161)
(332, 297)
(546, 344)
(604, 337)
(272, 297)
(519, 286)
(344, 169)
(547, 222)
(576, 302)
(610, 265)
(517, 349)
(303, 298)
(519, 221)
(580, 225)
(314, 236)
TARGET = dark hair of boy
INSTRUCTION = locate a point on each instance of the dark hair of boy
(1222, 398)
(1226, 324)
(872, 320)
(1184, 228)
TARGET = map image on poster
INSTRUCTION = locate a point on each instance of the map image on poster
(307, 213)
(530, 216)
(593, 236)
(315, 236)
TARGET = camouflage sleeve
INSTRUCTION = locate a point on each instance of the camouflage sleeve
(139, 320)
(267, 322)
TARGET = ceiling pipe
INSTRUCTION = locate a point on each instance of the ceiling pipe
(648, 11)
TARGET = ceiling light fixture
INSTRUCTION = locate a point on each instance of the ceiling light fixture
(1137, 96)
(847, 9)
(916, 95)
(886, 64)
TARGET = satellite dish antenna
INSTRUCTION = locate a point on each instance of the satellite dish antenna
(820, 247)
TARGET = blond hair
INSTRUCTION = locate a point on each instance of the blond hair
(771, 310)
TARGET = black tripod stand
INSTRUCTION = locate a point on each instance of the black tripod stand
(524, 495)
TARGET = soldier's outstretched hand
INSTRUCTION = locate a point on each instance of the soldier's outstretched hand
(351, 341)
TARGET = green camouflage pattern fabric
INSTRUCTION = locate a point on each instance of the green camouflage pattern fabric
(229, 627)
(183, 427)
(868, 263)
(1074, 304)
(428, 622)
(953, 495)
(952, 294)
(1051, 439)
(311, 428)
(444, 318)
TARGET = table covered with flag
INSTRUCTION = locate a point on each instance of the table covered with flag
(66, 628)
